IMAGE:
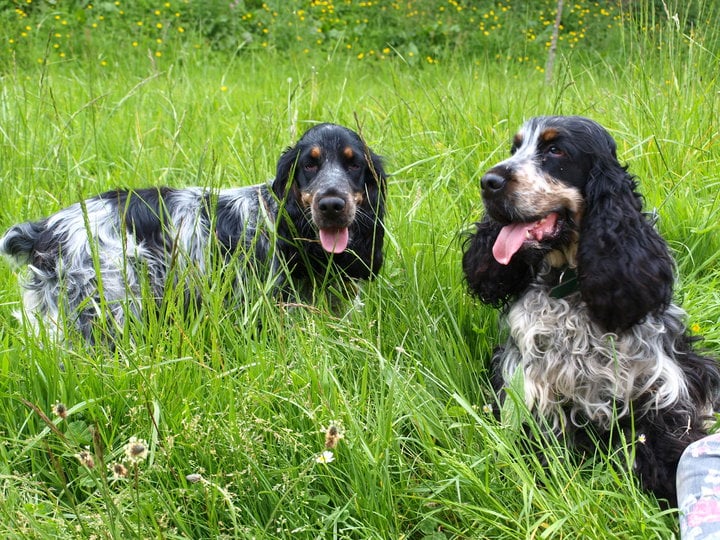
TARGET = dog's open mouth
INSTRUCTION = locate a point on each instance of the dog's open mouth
(334, 240)
(512, 237)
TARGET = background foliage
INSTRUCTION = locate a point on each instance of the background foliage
(231, 407)
(416, 30)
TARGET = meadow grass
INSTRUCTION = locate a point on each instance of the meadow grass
(233, 404)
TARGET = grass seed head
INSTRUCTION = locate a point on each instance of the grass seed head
(136, 450)
(60, 410)
(119, 470)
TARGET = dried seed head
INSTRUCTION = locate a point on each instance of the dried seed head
(86, 458)
(60, 410)
(333, 434)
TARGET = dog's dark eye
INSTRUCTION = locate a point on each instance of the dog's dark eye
(310, 167)
(353, 167)
(555, 151)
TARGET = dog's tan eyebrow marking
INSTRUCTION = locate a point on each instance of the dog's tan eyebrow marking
(549, 134)
(517, 139)
(306, 198)
(348, 152)
(315, 152)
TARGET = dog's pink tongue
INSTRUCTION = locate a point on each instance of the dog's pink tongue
(334, 240)
(513, 236)
(509, 241)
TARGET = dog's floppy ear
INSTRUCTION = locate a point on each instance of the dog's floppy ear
(494, 283)
(376, 175)
(375, 182)
(375, 188)
(285, 171)
(625, 270)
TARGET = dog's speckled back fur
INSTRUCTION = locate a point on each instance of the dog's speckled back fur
(99, 257)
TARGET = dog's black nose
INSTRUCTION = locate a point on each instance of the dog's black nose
(492, 183)
(331, 205)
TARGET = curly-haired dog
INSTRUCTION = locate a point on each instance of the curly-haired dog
(321, 215)
(587, 285)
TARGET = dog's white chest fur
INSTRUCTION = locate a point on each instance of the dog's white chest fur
(574, 372)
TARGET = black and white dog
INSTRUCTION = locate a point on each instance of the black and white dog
(321, 215)
(587, 284)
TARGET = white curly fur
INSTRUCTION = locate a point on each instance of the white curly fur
(574, 372)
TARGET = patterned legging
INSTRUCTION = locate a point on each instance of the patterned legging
(698, 489)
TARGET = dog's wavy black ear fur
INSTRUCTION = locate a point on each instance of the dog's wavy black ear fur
(374, 207)
(493, 283)
(285, 170)
(376, 177)
(625, 270)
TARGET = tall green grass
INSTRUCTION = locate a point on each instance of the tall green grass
(233, 403)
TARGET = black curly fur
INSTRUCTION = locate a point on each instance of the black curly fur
(625, 268)
(493, 283)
